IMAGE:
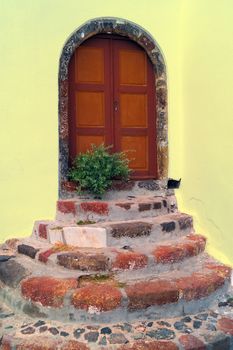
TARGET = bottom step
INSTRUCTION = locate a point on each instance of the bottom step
(212, 329)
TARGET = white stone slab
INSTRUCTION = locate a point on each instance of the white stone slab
(55, 236)
(94, 237)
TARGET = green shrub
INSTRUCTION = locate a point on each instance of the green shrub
(95, 169)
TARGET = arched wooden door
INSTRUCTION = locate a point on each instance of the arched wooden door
(112, 101)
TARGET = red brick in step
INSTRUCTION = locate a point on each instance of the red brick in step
(225, 324)
(144, 294)
(66, 207)
(74, 345)
(222, 270)
(44, 256)
(189, 342)
(98, 297)
(48, 291)
(130, 261)
(191, 246)
(100, 208)
(6, 345)
(151, 345)
(199, 285)
(42, 230)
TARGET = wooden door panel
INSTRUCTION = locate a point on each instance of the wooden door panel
(90, 109)
(84, 142)
(133, 110)
(134, 117)
(89, 65)
(136, 148)
(90, 95)
(132, 67)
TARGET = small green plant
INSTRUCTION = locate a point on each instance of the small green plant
(95, 169)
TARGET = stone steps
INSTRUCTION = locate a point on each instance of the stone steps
(83, 210)
(115, 233)
(105, 300)
(212, 330)
(153, 258)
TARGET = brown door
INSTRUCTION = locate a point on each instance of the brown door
(112, 101)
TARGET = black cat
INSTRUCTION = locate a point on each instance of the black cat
(172, 183)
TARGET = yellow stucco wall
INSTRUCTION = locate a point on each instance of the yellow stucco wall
(196, 39)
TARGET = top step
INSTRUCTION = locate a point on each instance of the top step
(78, 210)
(121, 189)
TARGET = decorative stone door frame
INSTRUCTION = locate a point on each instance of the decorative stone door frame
(111, 25)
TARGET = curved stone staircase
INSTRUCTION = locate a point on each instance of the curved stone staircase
(129, 273)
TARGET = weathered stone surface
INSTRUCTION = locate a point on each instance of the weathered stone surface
(144, 206)
(161, 333)
(144, 294)
(152, 345)
(130, 261)
(226, 325)
(117, 338)
(83, 262)
(66, 206)
(12, 272)
(189, 342)
(125, 206)
(27, 250)
(118, 185)
(157, 205)
(100, 208)
(93, 297)
(132, 229)
(78, 332)
(149, 185)
(48, 291)
(74, 345)
(199, 285)
(168, 226)
(186, 222)
(28, 330)
(91, 337)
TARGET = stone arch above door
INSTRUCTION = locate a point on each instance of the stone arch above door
(144, 39)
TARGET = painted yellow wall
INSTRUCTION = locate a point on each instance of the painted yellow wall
(195, 37)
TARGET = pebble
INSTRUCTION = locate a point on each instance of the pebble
(161, 333)
(106, 330)
(53, 330)
(9, 327)
(6, 315)
(92, 337)
(78, 332)
(222, 303)
(117, 338)
(186, 319)
(211, 327)
(43, 329)
(64, 334)
(39, 323)
(179, 325)
(164, 323)
(202, 317)
(149, 324)
(127, 327)
(197, 324)
(213, 314)
(28, 330)
(188, 330)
